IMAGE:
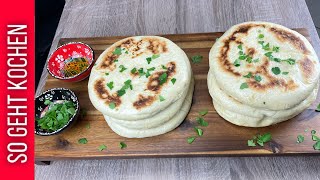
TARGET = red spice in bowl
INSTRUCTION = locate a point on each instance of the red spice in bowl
(71, 62)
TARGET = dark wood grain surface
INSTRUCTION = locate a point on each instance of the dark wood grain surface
(99, 18)
(220, 137)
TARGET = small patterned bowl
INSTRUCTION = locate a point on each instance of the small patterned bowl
(55, 94)
(71, 62)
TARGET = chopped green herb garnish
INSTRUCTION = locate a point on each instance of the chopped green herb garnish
(249, 59)
(56, 116)
(198, 131)
(83, 141)
(318, 108)
(173, 80)
(122, 68)
(260, 139)
(127, 52)
(141, 72)
(155, 56)
(236, 63)
(315, 138)
(275, 59)
(112, 105)
(243, 57)
(289, 61)
(316, 146)
(161, 98)
(276, 48)
(122, 145)
(163, 67)
(191, 139)
(266, 47)
(244, 86)
(276, 70)
(251, 143)
(196, 59)
(257, 78)
(300, 138)
(249, 75)
(110, 85)
(107, 74)
(261, 36)
(134, 70)
(268, 54)
(127, 85)
(121, 92)
(260, 143)
(263, 138)
(149, 59)
(148, 74)
(151, 69)
(203, 112)
(117, 51)
(201, 121)
(102, 147)
(285, 73)
(163, 78)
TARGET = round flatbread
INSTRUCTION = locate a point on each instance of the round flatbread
(280, 65)
(130, 76)
(174, 122)
(158, 119)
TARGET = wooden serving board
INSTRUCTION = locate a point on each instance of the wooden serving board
(220, 137)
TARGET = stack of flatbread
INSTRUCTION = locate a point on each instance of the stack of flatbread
(142, 85)
(261, 74)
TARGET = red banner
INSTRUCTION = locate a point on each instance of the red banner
(17, 89)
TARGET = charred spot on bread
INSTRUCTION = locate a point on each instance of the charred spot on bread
(145, 45)
(108, 62)
(156, 46)
(307, 68)
(102, 92)
(283, 36)
(143, 101)
(154, 82)
(251, 52)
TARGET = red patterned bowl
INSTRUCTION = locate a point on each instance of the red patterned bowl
(71, 62)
